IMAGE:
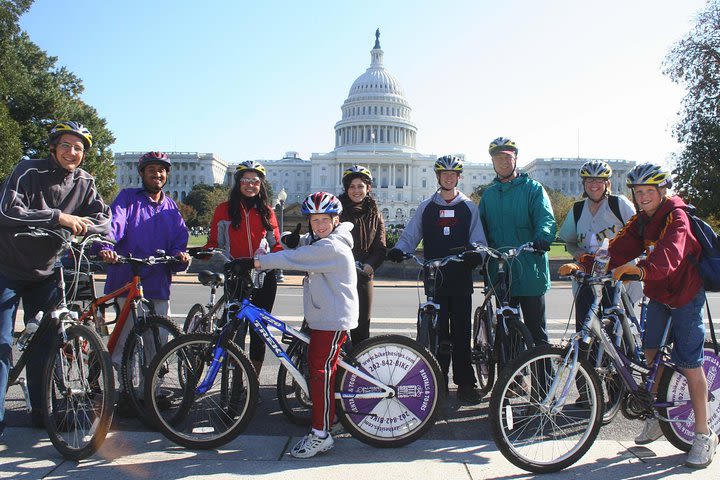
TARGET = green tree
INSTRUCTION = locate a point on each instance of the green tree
(188, 213)
(478, 191)
(204, 198)
(694, 63)
(561, 205)
(35, 93)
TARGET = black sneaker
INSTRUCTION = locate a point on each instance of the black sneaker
(468, 394)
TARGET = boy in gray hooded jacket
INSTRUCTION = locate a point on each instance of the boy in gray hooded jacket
(330, 305)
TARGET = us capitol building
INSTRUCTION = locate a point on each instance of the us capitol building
(375, 130)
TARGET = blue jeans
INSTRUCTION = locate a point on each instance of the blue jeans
(36, 296)
(687, 331)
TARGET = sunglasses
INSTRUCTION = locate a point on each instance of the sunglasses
(250, 181)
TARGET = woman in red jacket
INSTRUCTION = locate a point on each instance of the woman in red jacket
(239, 226)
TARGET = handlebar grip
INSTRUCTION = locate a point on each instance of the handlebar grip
(629, 277)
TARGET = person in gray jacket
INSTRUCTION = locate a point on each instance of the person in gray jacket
(446, 222)
(330, 302)
(52, 193)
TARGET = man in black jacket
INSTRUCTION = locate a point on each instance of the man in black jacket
(50, 193)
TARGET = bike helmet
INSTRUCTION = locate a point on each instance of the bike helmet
(251, 166)
(502, 144)
(153, 157)
(595, 169)
(321, 202)
(356, 171)
(648, 174)
(73, 128)
(448, 163)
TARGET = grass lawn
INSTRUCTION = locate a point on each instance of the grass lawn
(557, 251)
(197, 241)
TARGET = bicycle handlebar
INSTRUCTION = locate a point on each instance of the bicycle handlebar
(588, 279)
(435, 262)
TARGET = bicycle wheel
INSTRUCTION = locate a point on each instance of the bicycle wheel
(294, 402)
(426, 335)
(673, 388)
(611, 385)
(78, 393)
(415, 376)
(206, 420)
(195, 321)
(540, 436)
(512, 343)
(143, 342)
(482, 353)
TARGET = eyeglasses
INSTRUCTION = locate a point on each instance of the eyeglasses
(595, 180)
(71, 147)
(250, 181)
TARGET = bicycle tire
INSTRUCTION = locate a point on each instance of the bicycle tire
(673, 388)
(425, 333)
(78, 404)
(415, 376)
(294, 402)
(483, 357)
(136, 358)
(211, 419)
(194, 322)
(520, 425)
(519, 340)
(611, 384)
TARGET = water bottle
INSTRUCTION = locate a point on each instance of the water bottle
(602, 258)
(29, 331)
(259, 277)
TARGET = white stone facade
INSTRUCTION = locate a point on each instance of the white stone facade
(188, 169)
(375, 130)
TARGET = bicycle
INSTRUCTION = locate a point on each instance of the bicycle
(205, 318)
(499, 334)
(552, 424)
(387, 389)
(149, 332)
(78, 386)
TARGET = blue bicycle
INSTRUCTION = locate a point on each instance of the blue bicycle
(387, 388)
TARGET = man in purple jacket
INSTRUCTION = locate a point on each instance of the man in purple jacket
(145, 220)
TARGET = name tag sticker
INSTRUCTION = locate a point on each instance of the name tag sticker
(446, 231)
(447, 214)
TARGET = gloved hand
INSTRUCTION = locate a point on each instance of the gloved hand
(472, 259)
(569, 269)
(395, 255)
(292, 239)
(628, 269)
(196, 252)
(542, 245)
(240, 266)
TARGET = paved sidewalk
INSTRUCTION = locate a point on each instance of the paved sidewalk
(142, 455)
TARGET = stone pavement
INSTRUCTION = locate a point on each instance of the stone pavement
(141, 455)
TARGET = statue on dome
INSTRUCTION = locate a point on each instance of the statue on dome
(377, 38)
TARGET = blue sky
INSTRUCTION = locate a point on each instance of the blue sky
(251, 80)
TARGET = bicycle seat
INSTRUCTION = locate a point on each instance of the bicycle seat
(209, 278)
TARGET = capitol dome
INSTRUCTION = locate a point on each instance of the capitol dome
(375, 115)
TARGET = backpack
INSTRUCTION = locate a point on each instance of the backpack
(613, 203)
(709, 264)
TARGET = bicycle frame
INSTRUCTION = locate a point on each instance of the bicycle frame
(134, 291)
(260, 320)
(592, 330)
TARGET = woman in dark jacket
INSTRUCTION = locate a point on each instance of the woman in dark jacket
(368, 233)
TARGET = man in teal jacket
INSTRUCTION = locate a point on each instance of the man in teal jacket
(515, 209)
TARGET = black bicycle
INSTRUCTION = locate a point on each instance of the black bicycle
(78, 386)
(499, 334)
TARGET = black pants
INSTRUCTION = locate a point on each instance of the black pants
(583, 301)
(454, 325)
(533, 310)
(365, 296)
(262, 298)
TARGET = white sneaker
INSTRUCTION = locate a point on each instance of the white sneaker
(702, 451)
(651, 432)
(311, 445)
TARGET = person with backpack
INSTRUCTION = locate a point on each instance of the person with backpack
(598, 216)
(663, 231)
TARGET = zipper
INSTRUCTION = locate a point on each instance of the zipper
(247, 227)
